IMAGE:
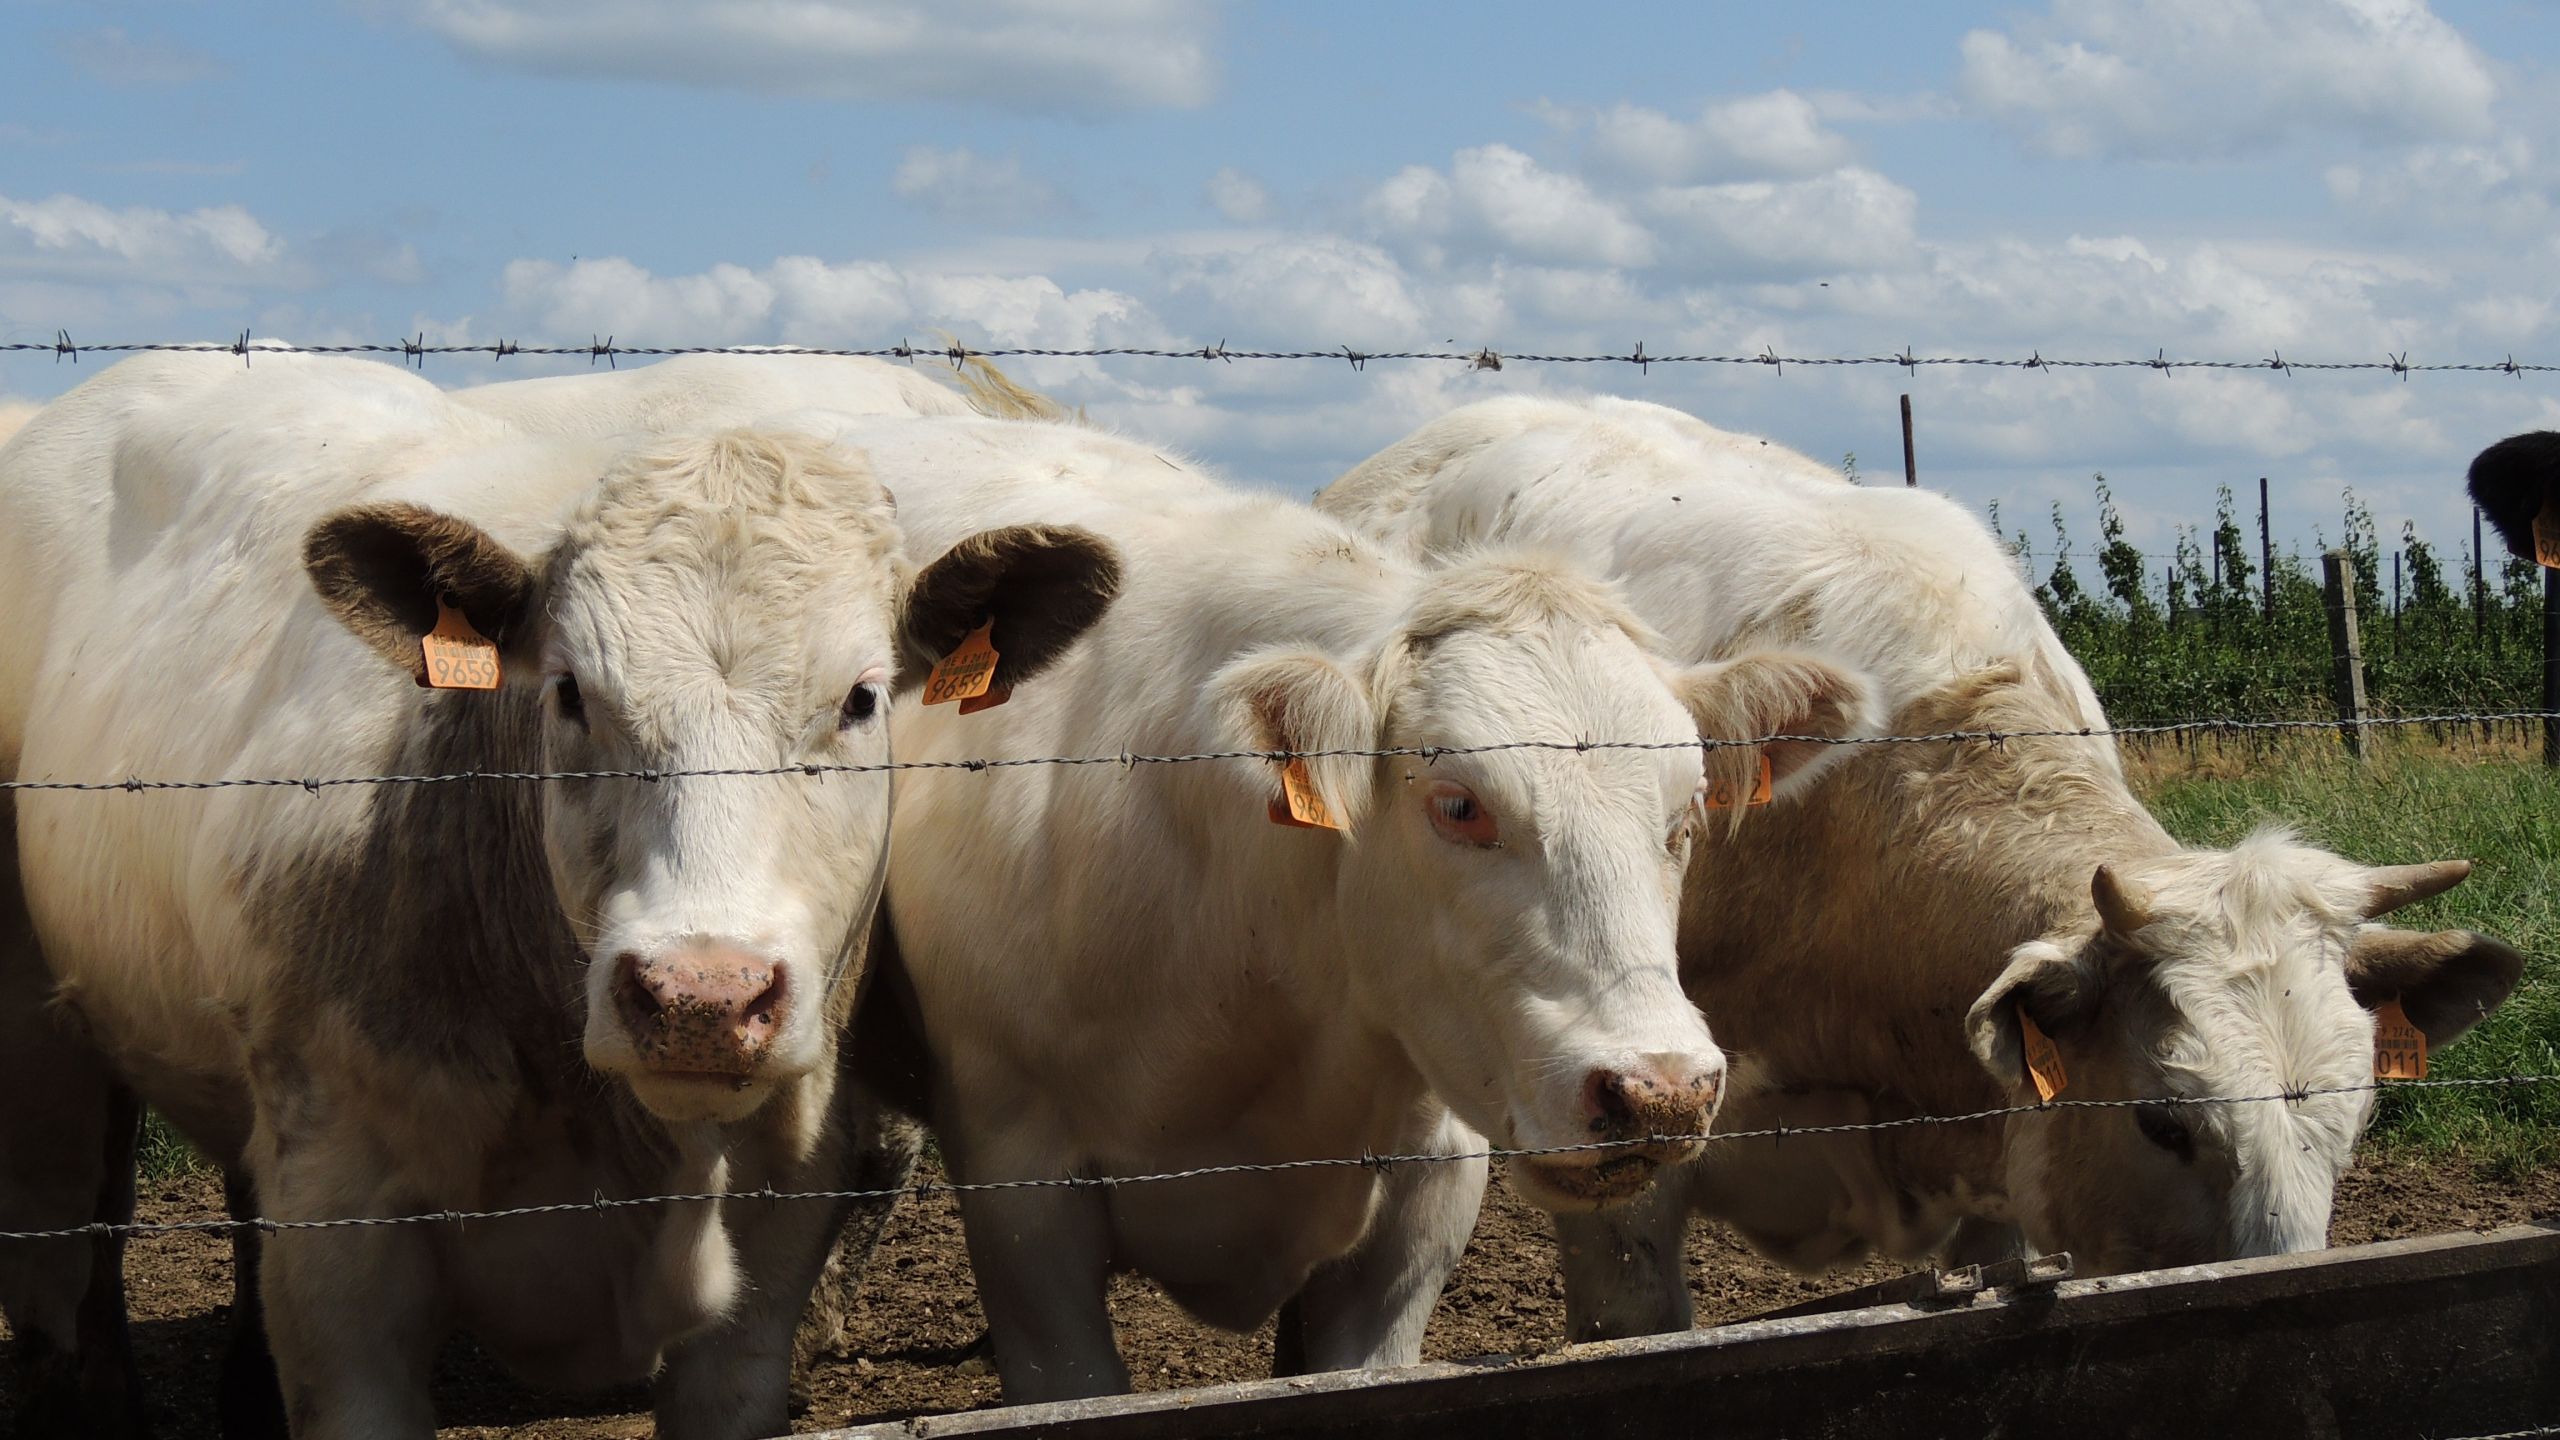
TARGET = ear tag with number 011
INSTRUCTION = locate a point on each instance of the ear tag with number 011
(1720, 793)
(968, 672)
(2399, 1047)
(2546, 534)
(1299, 803)
(458, 657)
(2044, 1061)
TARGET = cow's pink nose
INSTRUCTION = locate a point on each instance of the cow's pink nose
(1657, 1095)
(701, 1012)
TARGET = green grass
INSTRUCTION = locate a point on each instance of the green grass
(164, 1153)
(2407, 804)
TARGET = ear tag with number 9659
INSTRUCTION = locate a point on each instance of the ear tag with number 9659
(458, 657)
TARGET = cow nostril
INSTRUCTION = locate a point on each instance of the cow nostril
(1604, 1100)
(765, 1010)
(632, 991)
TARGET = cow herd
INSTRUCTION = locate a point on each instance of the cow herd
(738, 955)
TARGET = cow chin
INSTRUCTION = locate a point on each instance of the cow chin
(1561, 1188)
(693, 1099)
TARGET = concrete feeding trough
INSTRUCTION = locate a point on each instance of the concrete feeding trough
(2448, 1335)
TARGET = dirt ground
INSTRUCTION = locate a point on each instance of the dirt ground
(917, 1311)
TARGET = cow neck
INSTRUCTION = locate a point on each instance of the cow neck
(435, 927)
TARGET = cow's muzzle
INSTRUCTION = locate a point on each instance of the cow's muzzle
(707, 1012)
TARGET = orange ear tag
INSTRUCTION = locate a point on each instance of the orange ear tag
(1299, 804)
(2044, 1062)
(1720, 793)
(968, 672)
(988, 701)
(2546, 534)
(2399, 1048)
(458, 657)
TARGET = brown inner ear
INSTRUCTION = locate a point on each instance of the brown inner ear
(1042, 586)
(381, 569)
(2445, 980)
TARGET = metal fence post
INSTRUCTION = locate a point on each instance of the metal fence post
(2346, 651)
(2479, 581)
(1910, 465)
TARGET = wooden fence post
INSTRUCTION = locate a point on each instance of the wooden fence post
(2266, 552)
(2346, 652)
(2550, 667)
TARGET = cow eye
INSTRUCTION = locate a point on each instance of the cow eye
(862, 702)
(2163, 1127)
(1458, 817)
(565, 697)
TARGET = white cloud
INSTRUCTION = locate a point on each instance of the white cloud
(1496, 199)
(1239, 197)
(1853, 219)
(2193, 79)
(1330, 289)
(2496, 188)
(960, 184)
(1751, 137)
(14, 412)
(803, 300)
(67, 236)
(1093, 57)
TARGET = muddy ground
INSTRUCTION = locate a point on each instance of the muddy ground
(916, 1310)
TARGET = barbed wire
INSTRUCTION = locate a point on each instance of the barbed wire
(601, 1204)
(414, 351)
(1425, 753)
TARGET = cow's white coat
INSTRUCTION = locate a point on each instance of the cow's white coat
(1839, 947)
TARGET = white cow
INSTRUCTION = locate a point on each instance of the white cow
(1122, 969)
(379, 1000)
(1870, 951)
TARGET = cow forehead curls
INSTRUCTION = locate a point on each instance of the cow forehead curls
(1508, 591)
(726, 535)
(2251, 930)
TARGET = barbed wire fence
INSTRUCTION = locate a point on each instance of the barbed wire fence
(1130, 761)
(607, 349)
(602, 1204)
(416, 351)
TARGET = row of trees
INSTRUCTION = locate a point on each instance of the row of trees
(2189, 635)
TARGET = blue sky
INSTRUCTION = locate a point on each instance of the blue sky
(2222, 178)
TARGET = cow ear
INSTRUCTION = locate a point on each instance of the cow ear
(1298, 700)
(2043, 982)
(383, 569)
(1778, 693)
(2512, 480)
(2445, 980)
(1038, 586)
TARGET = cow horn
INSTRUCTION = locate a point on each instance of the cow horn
(2123, 907)
(2392, 886)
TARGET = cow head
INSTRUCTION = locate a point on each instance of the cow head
(735, 602)
(2218, 975)
(1509, 915)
